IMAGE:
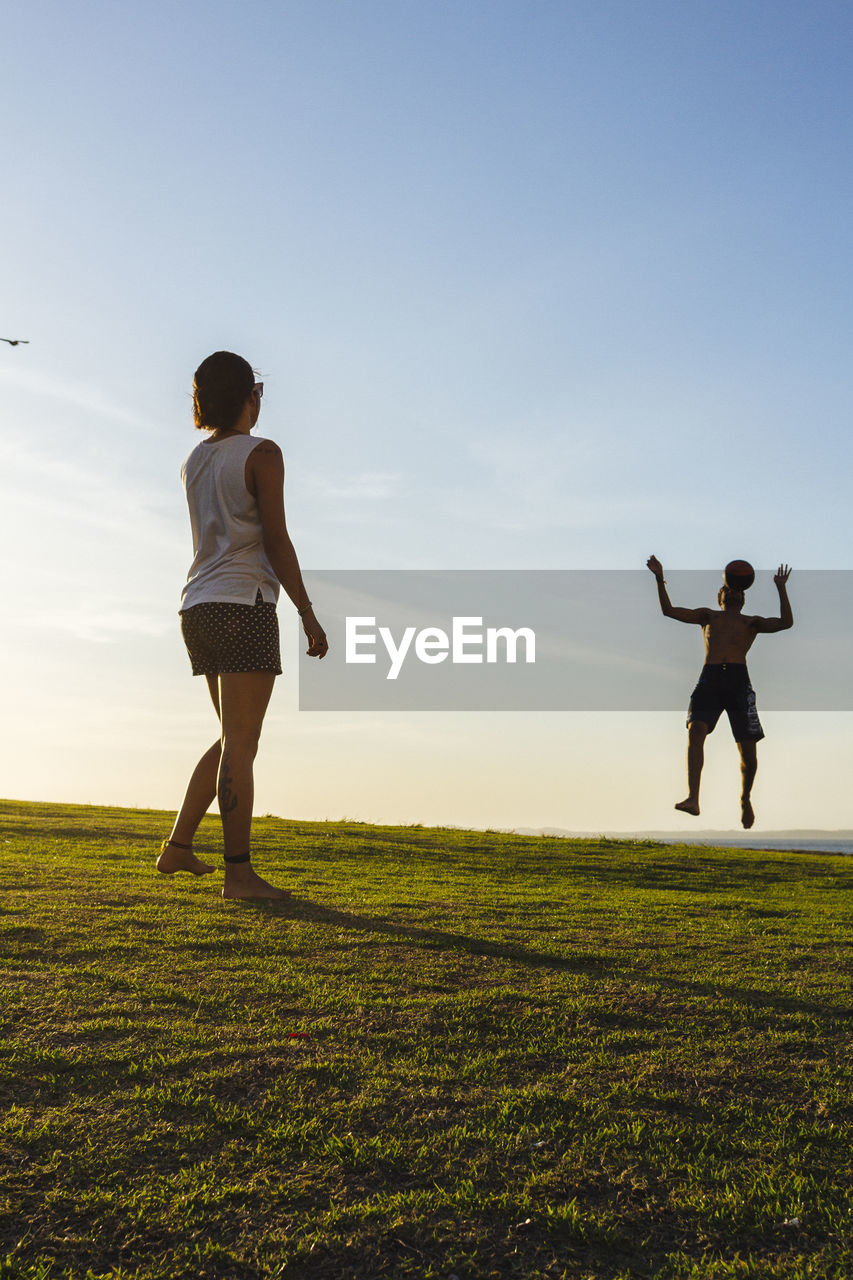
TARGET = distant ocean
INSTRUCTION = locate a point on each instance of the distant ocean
(797, 845)
(781, 843)
(836, 842)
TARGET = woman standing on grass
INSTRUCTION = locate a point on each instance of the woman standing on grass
(235, 492)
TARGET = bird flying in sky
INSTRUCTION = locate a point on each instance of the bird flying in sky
(16, 342)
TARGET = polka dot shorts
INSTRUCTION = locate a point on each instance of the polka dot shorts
(224, 637)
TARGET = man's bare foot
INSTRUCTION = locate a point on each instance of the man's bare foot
(747, 814)
(173, 858)
(689, 806)
(244, 882)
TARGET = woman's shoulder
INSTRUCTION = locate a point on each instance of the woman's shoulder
(264, 447)
(250, 445)
(264, 463)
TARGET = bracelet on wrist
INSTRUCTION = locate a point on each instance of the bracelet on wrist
(302, 612)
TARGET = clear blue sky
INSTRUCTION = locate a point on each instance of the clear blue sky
(531, 285)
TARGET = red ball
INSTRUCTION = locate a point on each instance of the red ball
(739, 574)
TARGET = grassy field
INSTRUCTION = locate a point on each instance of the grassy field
(452, 1053)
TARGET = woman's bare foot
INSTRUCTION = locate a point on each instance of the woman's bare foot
(689, 806)
(243, 881)
(174, 858)
(747, 815)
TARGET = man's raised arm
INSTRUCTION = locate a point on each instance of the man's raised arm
(668, 609)
(786, 616)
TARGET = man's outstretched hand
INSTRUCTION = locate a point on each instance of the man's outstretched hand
(782, 575)
(655, 565)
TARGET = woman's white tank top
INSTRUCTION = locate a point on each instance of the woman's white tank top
(229, 563)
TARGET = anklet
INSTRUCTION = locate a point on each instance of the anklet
(175, 843)
(238, 857)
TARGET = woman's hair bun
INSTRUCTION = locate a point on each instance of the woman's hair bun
(221, 386)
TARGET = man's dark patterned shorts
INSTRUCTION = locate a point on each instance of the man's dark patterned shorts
(725, 686)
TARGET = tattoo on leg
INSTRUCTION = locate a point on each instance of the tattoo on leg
(227, 798)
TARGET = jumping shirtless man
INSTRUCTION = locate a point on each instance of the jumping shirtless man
(724, 683)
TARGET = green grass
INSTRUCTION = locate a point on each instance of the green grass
(520, 1056)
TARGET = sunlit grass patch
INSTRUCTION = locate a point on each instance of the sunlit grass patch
(450, 1053)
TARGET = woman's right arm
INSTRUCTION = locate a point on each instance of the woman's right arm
(265, 480)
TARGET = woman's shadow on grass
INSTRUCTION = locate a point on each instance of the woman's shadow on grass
(592, 964)
(431, 938)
